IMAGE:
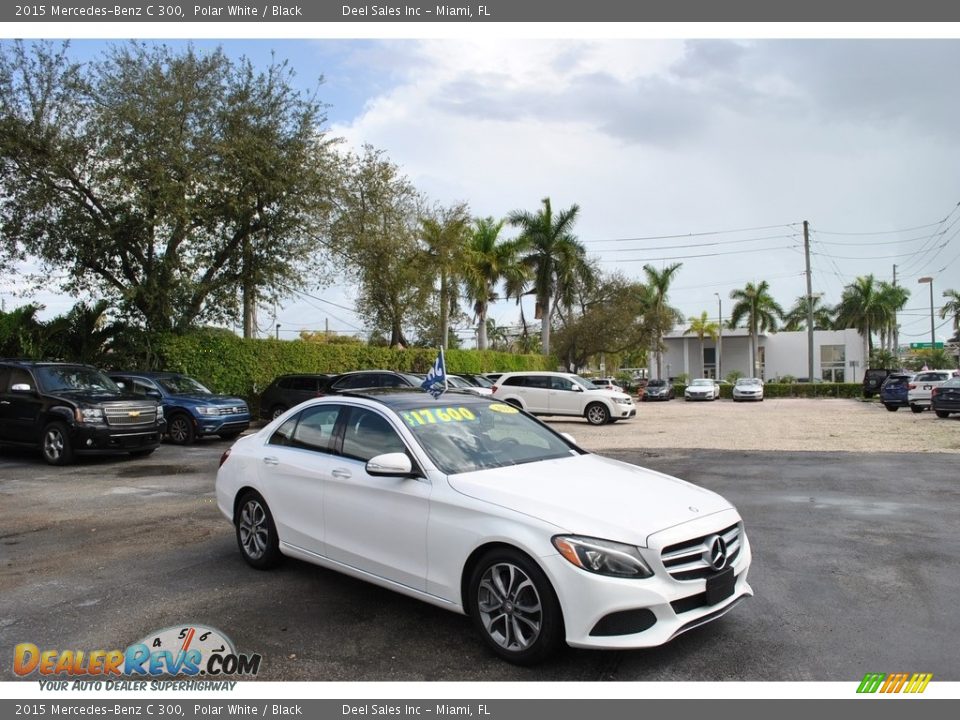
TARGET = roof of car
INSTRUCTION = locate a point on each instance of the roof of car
(146, 373)
(402, 398)
(43, 363)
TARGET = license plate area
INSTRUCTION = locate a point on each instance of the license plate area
(720, 586)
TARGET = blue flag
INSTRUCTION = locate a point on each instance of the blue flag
(436, 382)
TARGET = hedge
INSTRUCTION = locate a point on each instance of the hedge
(235, 366)
(794, 390)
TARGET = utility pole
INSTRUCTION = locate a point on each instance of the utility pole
(806, 253)
(896, 325)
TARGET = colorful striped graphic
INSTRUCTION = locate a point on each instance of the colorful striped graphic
(894, 682)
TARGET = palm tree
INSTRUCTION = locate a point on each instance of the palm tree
(553, 254)
(754, 305)
(796, 317)
(661, 317)
(486, 262)
(952, 307)
(869, 306)
(702, 327)
(893, 298)
(445, 237)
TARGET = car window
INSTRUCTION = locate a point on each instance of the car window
(355, 382)
(137, 386)
(368, 434)
(305, 384)
(284, 434)
(314, 428)
(461, 438)
(388, 380)
(285, 383)
(561, 383)
(182, 385)
(516, 381)
(16, 376)
(57, 378)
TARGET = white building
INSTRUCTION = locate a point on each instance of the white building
(837, 355)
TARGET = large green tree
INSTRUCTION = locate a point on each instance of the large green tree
(174, 182)
(661, 316)
(444, 233)
(796, 317)
(375, 226)
(554, 256)
(951, 308)
(755, 307)
(870, 306)
(488, 260)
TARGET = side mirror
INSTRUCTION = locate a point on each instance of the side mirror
(577, 388)
(390, 465)
(120, 384)
(21, 388)
(155, 394)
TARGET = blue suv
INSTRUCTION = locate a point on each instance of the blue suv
(190, 409)
(893, 392)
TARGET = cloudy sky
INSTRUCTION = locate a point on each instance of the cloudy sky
(708, 152)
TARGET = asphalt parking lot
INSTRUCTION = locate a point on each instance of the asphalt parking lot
(856, 569)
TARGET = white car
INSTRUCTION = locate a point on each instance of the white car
(920, 389)
(607, 384)
(702, 389)
(747, 389)
(476, 507)
(554, 393)
(458, 383)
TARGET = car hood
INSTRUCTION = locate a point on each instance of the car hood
(616, 395)
(699, 389)
(97, 397)
(594, 496)
(203, 399)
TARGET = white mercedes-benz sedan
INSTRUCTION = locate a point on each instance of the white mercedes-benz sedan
(477, 507)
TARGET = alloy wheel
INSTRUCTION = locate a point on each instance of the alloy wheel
(509, 607)
(254, 529)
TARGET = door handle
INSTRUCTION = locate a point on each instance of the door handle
(4, 402)
(271, 461)
(342, 474)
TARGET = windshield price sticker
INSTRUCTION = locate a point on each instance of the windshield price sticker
(434, 416)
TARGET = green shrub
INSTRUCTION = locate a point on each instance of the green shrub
(229, 364)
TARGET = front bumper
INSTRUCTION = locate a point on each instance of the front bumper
(92, 439)
(747, 396)
(698, 396)
(215, 425)
(591, 601)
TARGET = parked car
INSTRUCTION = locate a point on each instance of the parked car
(455, 381)
(478, 380)
(658, 390)
(289, 390)
(554, 393)
(363, 379)
(747, 389)
(607, 384)
(946, 398)
(478, 508)
(492, 377)
(922, 385)
(70, 409)
(873, 380)
(894, 391)
(702, 389)
(192, 410)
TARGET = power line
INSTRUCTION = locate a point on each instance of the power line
(702, 255)
(887, 232)
(695, 245)
(697, 234)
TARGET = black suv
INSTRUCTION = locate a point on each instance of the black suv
(289, 390)
(873, 380)
(67, 409)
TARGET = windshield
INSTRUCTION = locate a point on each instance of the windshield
(656, 384)
(182, 385)
(587, 385)
(702, 381)
(465, 438)
(479, 381)
(457, 382)
(748, 381)
(75, 378)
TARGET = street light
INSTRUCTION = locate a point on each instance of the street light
(719, 332)
(933, 337)
(278, 331)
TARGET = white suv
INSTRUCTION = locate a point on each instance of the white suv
(922, 385)
(553, 393)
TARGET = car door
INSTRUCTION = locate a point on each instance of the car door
(20, 410)
(565, 397)
(296, 462)
(375, 524)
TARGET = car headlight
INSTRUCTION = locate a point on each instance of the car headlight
(89, 415)
(602, 557)
(623, 401)
(207, 410)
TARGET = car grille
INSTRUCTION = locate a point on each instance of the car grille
(233, 410)
(685, 561)
(128, 415)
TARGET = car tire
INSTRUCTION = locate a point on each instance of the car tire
(514, 607)
(916, 408)
(277, 411)
(942, 414)
(180, 429)
(55, 444)
(892, 408)
(597, 414)
(256, 533)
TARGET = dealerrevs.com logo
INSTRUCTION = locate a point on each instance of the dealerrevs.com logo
(890, 683)
(182, 650)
